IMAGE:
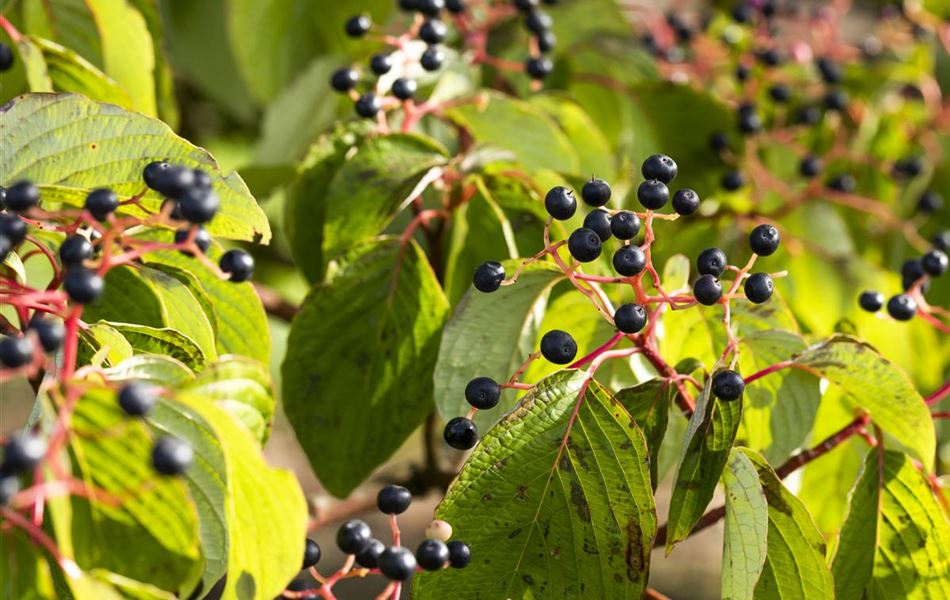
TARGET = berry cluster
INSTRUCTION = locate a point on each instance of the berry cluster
(916, 274)
(429, 26)
(94, 240)
(396, 563)
(634, 321)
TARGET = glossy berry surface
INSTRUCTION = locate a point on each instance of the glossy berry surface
(599, 222)
(380, 64)
(483, 393)
(137, 399)
(459, 554)
(488, 276)
(843, 183)
(397, 563)
(685, 202)
(538, 68)
(358, 26)
(101, 203)
(759, 287)
(930, 202)
(732, 181)
(432, 555)
(404, 88)
(584, 245)
(311, 554)
(432, 59)
(596, 192)
(707, 290)
(22, 196)
(74, 250)
(433, 31)
(344, 80)
(51, 333)
(836, 100)
(199, 205)
(871, 301)
(560, 203)
(83, 286)
(810, 166)
(711, 261)
(934, 263)
(941, 240)
(172, 456)
(538, 22)
(368, 105)
(15, 352)
(353, 535)
(168, 180)
(369, 556)
(13, 228)
(238, 264)
(764, 239)
(625, 225)
(653, 194)
(629, 261)
(660, 167)
(630, 318)
(202, 238)
(461, 433)
(558, 347)
(393, 500)
(749, 120)
(902, 307)
(430, 7)
(9, 487)
(22, 452)
(727, 385)
(6, 57)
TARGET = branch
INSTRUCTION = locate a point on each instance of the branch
(275, 304)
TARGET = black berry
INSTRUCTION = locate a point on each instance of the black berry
(660, 167)
(488, 276)
(22, 196)
(169, 180)
(711, 261)
(483, 393)
(596, 192)
(82, 285)
(719, 141)
(909, 167)
(404, 88)
(202, 238)
(74, 250)
(433, 31)
(871, 301)
(843, 183)
(630, 318)
(368, 105)
(558, 347)
(810, 166)
(732, 181)
(902, 307)
(780, 93)
(238, 264)
(538, 67)
(727, 385)
(432, 59)
(759, 287)
(101, 203)
(311, 554)
(455, 6)
(742, 73)
(50, 333)
(459, 554)
(749, 119)
(625, 225)
(22, 452)
(930, 202)
(6, 246)
(546, 41)
(171, 455)
(526, 5)
(831, 72)
(199, 205)
(836, 100)
(911, 271)
(344, 80)
(358, 26)
(137, 399)
(432, 555)
(6, 57)
(934, 263)
(369, 556)
(538, 22)
(13, 228)
(653, 194)
(685, 202)
(461, 433)
(9, 487)
(764, 239)
(584, 244)
(353, 536)
(202, 180)
(707, 290)
(808, 115)
(629, 261)
(380, 64)
(397, 563)
(560, 203)
(15, 352)
(430, 7)
(941, 240)
(393, 500)
(599, 221)
(769, 57)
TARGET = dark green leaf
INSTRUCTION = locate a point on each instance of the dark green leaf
(746, 528)
(649, 405)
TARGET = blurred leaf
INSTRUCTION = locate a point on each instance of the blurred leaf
(746, 528)
(69, 22)
(481, 339)
(24, 572)
(547, 523)
(377, 351)
(242, 388)
(709, 438)
(37, 75)
(676, 273)
(593, 150)
(165, 100)
(70, 72)
(81, 157)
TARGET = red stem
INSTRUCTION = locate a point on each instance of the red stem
(939, 394)
(603, 348)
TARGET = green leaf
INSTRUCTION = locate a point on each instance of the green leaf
(592, 149)
(69, 22)
(70, 72)
(127, 51)
(264, 508)
(676, 273)
(154, 514)
(870, 382)
(242, 388)
(513, 125)
(76, 145)
(746, 528)
(152, 340)
(352, 197)
(778, 410)
(24, 572)
(542, 524)
(37, 75)
(709, 438)
(481, 339)
(896, 538)
(795, 565)
(159, 369)
(649, 405)
(377, 351)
